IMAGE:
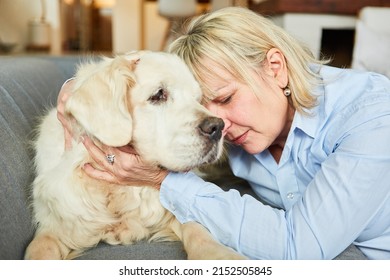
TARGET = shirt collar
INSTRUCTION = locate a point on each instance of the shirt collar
(309, 123)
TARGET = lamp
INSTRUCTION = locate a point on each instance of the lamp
(175, 11)
(39, 31)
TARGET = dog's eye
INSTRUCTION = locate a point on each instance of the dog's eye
(160, 96)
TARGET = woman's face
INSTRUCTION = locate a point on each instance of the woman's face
(255, 123)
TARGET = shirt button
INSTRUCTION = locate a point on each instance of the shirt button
(290, 195)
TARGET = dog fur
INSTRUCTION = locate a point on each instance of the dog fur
(151, 101)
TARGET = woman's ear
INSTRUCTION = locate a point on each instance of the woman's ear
(277, 67)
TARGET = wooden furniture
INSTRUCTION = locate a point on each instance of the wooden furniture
(344, 7)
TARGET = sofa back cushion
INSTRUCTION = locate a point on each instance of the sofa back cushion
(28, 87)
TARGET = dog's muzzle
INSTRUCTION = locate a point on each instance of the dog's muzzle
(211, 127)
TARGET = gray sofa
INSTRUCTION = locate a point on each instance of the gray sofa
(28, 86)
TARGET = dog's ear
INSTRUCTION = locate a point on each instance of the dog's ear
(100, 101)
(135, 55)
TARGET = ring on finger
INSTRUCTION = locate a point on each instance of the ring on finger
(110, 158)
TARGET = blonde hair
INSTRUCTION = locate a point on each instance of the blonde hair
(238, 40)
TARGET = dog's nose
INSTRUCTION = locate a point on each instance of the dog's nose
(212, 127)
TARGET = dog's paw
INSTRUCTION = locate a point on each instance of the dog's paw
(46, 247)
(218, 252)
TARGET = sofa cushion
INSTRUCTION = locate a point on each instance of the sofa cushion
(139, 251)
(27, 87)
(371, 47)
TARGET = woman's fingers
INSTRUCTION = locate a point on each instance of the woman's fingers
(123, 157)
(68, 139)
(105, 170)
(127, 149)
(96, 153)
(127, 167)
(99, 174)
(63, 96)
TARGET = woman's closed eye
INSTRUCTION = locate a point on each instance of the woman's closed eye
(226, 94)
(224, 100)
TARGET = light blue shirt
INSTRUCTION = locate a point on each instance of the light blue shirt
(331, 187)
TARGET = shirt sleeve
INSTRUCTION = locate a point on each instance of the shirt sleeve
(190, 198)
(349, 192)
(349, 198)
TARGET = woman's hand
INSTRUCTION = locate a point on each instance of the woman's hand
(126, 169)
(63, 96)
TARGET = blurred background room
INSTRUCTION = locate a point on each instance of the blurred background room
(340, 29)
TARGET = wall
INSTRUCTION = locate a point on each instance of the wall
(14, 17)
(155, 27)
(130, 19)
(126, 25)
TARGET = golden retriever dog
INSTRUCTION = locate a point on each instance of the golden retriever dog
(151, 101)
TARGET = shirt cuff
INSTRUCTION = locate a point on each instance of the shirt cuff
(178, 192)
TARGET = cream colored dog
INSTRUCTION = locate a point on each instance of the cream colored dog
(151, 101)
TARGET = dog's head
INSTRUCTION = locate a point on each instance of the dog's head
(151, 101)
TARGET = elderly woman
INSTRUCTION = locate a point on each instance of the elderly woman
(311, 140)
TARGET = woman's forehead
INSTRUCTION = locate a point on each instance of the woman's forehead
(214, 74)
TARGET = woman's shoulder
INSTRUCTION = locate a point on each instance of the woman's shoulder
(351, 82)
(348, 98)
(342, 89)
